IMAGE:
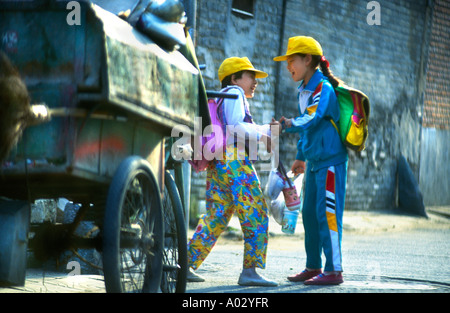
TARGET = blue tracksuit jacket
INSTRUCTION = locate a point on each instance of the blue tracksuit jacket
(319, 142)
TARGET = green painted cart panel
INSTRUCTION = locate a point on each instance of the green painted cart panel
(122, 92)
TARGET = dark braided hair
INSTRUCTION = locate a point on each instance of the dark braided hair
(318, 61)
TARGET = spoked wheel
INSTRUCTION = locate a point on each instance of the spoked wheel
(133, 234)
(175, 240)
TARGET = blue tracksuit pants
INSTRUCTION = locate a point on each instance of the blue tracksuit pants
(323, 208)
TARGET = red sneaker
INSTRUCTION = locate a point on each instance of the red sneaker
(322, 279)
(305, 275)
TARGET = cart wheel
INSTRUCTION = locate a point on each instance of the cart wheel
(175, 240)
(133, 230)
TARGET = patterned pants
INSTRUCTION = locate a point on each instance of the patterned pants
(232, 186)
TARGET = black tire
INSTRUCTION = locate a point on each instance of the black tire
(133, 231)
(175, 240)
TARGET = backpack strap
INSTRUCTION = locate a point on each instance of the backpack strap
(334, 124)
(247, 118)
(221, 113)
(328, 117)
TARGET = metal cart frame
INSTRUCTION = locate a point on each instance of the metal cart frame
(114, 96)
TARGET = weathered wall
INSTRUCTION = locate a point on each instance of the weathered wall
(434, 173)
(388, 62)
(434, 179)
(384, 62)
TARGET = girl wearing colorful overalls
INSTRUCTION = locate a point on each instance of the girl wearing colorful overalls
(325, 156)
(232, 183)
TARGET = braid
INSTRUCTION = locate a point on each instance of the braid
(317, 60)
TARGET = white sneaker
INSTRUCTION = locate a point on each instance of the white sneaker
(193, 277)
(256, 281)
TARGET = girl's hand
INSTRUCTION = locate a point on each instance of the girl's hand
(278, 127)
(298, 167)
(286, 122)
(274, 122)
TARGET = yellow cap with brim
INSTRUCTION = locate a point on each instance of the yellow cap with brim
(235, 64)
(301, 44)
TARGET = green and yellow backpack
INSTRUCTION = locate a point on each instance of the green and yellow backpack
(353, 126)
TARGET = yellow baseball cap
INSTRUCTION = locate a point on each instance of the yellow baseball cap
(235, 64)
(301, 44)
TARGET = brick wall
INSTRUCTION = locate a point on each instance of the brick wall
(437, 97)
(435, 153)
(387, 61)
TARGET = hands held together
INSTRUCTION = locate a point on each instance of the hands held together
(298, 167)
(282, 123)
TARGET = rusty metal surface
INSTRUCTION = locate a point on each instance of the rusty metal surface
(105, 67)
(163, 83)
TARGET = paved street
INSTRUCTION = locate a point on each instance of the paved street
(381, 253)
(399, 262)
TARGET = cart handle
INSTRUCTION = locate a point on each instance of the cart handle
(215, 94)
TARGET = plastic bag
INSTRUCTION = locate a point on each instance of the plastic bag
(277, 206)
(276, 209)
(275, 184)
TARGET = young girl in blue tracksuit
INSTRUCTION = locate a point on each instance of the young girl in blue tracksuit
(322, 156)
